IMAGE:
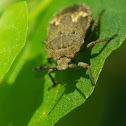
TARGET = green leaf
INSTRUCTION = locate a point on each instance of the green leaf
(28, 101)
(75, 85)
(13, 30)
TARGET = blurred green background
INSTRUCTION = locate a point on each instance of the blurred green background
(106, 106)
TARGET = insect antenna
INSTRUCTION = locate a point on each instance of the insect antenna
(45, 67)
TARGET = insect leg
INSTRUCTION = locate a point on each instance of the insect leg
(49, 73)
(91, 44)
(44, 41)
(51, 69)
(94, 25)
(49, 60)
(85, 65)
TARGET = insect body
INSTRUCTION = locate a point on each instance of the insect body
(66, 33)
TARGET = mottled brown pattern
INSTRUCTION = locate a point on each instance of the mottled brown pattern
(66, 33)
(66, 38)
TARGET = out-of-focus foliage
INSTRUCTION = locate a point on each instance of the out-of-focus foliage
(13, 31)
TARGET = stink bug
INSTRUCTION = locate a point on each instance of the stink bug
(66, 33)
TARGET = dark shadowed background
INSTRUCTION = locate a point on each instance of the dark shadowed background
(107, 105)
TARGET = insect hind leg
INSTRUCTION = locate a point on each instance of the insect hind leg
(94, 25)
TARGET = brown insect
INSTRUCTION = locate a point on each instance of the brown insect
(66, 34)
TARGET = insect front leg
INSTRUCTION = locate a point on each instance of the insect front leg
(51, 69)
(84, 65)
(49, 73)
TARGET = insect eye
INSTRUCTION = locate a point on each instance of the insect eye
(73, 32)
